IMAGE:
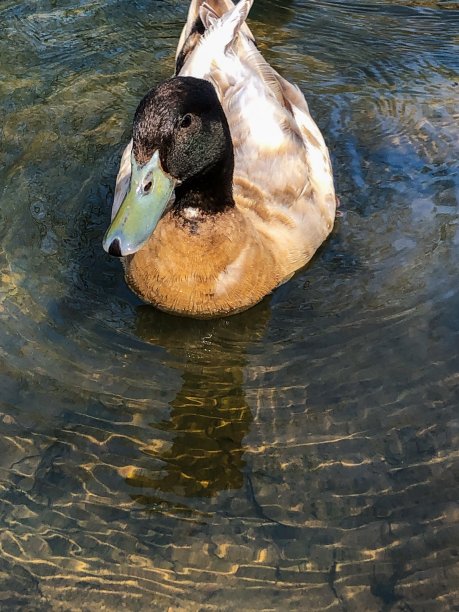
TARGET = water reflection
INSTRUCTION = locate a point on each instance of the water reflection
(209, 417)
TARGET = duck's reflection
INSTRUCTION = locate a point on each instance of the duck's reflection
(209, 417)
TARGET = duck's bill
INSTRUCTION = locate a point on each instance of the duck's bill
(150, 191)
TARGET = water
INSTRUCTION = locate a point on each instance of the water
(301, 455)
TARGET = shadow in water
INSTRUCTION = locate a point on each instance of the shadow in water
(209, 416)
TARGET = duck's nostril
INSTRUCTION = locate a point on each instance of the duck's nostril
(115, 248)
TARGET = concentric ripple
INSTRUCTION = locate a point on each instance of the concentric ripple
(300, 456)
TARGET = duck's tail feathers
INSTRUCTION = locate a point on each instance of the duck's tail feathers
(206, 17)
(228, 25)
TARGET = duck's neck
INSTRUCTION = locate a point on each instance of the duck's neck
(210, 191)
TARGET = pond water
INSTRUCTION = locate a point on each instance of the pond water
(301, 455)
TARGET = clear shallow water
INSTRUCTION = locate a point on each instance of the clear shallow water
(301, 455)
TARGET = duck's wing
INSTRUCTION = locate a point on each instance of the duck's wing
(281, 160)
(123, 179)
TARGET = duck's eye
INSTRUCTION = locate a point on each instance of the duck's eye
(186, 121)
(147, 187)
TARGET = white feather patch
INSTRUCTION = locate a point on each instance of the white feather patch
(191, 213)
(231, 275)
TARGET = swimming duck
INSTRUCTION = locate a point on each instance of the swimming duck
(226, 188)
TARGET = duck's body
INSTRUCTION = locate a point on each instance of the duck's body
(211, 254)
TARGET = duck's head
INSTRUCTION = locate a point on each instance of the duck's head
(182, 156)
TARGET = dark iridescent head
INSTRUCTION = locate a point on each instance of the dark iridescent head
(182, 153)
(184, 120)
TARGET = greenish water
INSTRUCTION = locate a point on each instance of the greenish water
(301, 455)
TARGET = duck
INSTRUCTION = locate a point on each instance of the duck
(225, 189)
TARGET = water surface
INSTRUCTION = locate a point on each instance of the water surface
(301, 455)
